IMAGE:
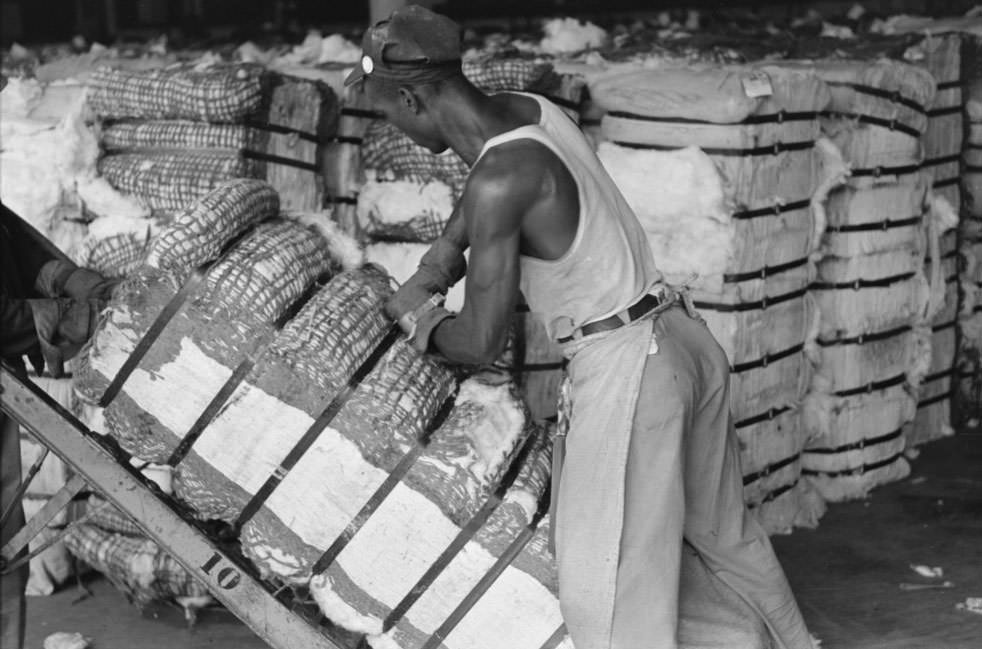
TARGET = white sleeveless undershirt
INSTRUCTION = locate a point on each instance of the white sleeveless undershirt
(609, 265)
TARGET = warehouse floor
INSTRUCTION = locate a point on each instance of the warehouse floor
(846, 574)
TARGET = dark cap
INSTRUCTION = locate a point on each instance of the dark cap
(414, 44)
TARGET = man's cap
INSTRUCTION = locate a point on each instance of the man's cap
(413, 45)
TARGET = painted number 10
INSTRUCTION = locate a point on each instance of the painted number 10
(228, 577)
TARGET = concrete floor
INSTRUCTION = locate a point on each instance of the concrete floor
(846, 573)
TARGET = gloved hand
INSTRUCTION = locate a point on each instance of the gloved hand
(59, 278)
(417, 312)
(63, 326)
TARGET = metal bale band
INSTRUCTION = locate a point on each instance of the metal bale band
(942, 160)
(774, 495)
(770, 118)
(858, 284)
(876, 172)
(484, 584)
(766, 359)
(770, 149)
(462, 538)
(238, 376)
(944, 396)
(759, 305)
(886, 224)
(857, 446)
(750, 478)
(160, 322)
(764, 416)
(776, 210)
(866, 338)
(946, 110)
(890, 124)
(324, 420)
(894, 96)
(765, 272)
(873, 386)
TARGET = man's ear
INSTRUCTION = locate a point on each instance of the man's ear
(409, 99)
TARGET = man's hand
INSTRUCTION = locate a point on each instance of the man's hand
(59, 278)
(63, 326)
(418, 312)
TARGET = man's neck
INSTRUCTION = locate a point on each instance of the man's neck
(470, 118)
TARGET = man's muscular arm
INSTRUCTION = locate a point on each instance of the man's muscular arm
(499, 193)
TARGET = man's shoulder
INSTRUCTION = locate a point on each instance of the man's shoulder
(514, 166)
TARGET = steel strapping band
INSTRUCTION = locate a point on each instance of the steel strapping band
(775, 494)
(759, 305)
(287, 130)
(858, 284)
(946, 182)
(974, 169)
(873, 386)
(861, 444)
(765, 272)
(775, 210)
(764, 416)
(767, 359)
(770, 118)
(485, 583)
(160, 322)
(930, 378)
(890, 124)
(770, 149)
(239, 375)
(876, 172)
(348, 139)
(317, 427)
(947, 110)
(463, 537)
(280, 160)
(865, 338)
(383, 491)
(891, 95)
(769, 469)
(556, 638)
(938, 398)
(361, 112)
(943, 326)
(948, 85)
(861, 469)
(886, 224)
(943, 160)
(343, 200)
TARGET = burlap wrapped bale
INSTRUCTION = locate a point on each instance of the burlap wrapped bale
(219, 93)
(174, 180)
(177, 134)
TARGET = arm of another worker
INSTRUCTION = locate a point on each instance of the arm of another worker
(500, 191)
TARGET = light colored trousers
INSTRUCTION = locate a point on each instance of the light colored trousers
(681, 478)
(12, 605)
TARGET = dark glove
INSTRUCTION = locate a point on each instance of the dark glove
(64, 279)
(63, 326)
(417, 312)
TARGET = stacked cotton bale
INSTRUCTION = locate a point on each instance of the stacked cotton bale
(735, 221)
(172, 135)
(944, 140)
(871, 289)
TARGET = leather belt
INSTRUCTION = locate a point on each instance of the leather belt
(639, 309)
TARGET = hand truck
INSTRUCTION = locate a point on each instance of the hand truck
(271, 610)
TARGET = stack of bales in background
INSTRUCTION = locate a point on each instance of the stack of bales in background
(171, 135)
(971, 225)
(746, 254)
(943, 144)
(871, 289)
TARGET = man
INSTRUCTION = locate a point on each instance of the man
(48, 309)
(650, 454)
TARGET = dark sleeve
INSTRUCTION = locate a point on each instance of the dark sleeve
(17, 333)
(28, 252)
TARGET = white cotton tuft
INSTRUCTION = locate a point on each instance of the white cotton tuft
(343, 247)
(835, 170)
(62, 640)
(679, 198)
(569, 35)
(339, 611)
(401, 260)
(338, 49)
(943, 213)
(107, 203)
(399, 201)
(921, 356)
